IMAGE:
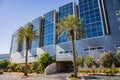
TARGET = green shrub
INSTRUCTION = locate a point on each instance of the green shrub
(21, 67)
(98, 71)
(12, 67)
(111, 72)
(88, 61)
(16, 67)
(118, 70)
(80, 61)
(1, 72)
(107, 59)
(74, 79)
(39, 69)
(44, 60)
(4, 64)
(72, 75)
(33, 67)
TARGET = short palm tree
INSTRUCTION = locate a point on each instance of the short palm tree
(71, 26)
(26, 34)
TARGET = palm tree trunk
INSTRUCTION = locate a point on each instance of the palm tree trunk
(26, 58)
(74, 56)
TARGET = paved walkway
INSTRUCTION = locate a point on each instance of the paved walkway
(19, 76)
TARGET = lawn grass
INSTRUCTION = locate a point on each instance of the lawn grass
(74, 79)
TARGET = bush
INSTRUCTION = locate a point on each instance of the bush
(88, 61)
(72, 75)
(44, 60)
(39, 69)
(16, 67)
(118, 70)
(80, 61)
(33, 67)
(12, 67)
(110, 72)
(1, 72)
(4, 64)
(107, 59)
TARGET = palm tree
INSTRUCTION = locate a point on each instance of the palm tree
(26, 34)
(72, 26)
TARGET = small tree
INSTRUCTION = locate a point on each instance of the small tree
(26, 34)
(80, 61)
(107, 59)
(44, 60)
(88, 61)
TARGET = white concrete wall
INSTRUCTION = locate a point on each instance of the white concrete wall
(63, 56)
(19, 57)
(54, 50)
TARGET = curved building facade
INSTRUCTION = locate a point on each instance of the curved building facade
(102, 32)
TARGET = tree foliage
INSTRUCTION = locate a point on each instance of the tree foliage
(68, 23)
(89, 61)
(69, 26)
(44, 60)
(80, 61)
(107, 59)
(4, 64)
(26, 34)
(13, 67)
(33, 67)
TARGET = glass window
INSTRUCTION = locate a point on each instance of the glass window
(94, 34)
(88, 30)
(66, 11)
(48, 28)
(100, 47)
(88, 35)
(86, 49)
(91, 15)
(95, 4)
(100, 33)
(92, 48)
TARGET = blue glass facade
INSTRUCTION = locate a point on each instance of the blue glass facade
(14, 43)
(65, 10)
(36, 26)
(48, 28)
(101, 32)
(89, 11)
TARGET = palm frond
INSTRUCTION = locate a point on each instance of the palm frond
(26, 32)
(21, 35)
(68, 23)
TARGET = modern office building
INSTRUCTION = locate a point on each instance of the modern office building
(48, 28)
(65, 10)
(5, 57)
(102, 33)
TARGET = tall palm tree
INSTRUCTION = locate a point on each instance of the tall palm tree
(71, 26)
(26, 34)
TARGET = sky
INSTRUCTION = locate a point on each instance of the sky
(16, 13)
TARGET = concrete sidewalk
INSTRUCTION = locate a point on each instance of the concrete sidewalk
(19, 76)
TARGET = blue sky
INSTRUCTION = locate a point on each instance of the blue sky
(16, 13)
